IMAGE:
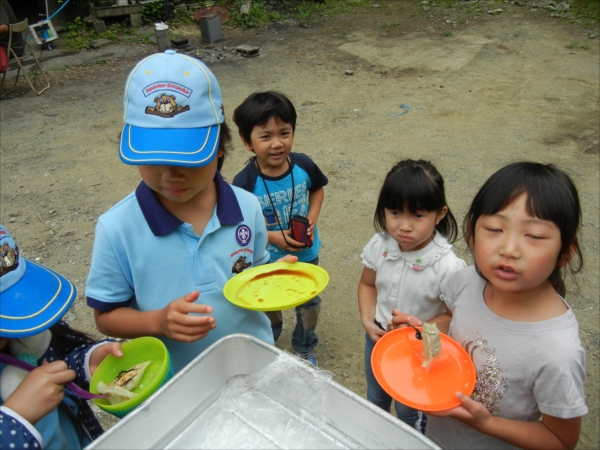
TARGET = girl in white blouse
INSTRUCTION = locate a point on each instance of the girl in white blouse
(405, 262)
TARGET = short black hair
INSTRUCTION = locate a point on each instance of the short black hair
(224, 143)
(258, 108)
(416, 185)
(551, 195)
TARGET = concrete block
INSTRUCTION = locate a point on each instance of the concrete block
(136, 20)
(99, 26)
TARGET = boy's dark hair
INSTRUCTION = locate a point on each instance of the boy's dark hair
(416, 185)
(258, 108)
(224, 143)
(551, 195)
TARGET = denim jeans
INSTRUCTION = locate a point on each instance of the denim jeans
(304, 338)
(377, 396)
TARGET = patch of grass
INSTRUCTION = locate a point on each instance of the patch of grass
(60, 69)
(586, 9)
(262, 12)
(100, 62)
(390, 25)
(78, 35)
(447, 33)
(578, 44)
(183, 16)
(123, 27)
(110, 35)
(144, 38)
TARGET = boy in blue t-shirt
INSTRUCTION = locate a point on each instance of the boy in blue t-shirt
(286, 184)
(163, 254)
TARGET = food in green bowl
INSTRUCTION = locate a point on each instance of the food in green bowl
(117, 372)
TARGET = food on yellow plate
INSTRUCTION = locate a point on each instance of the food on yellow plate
(119, 390)
(431, 343)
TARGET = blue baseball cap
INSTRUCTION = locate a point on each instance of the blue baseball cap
(32, 297)
(172, 112)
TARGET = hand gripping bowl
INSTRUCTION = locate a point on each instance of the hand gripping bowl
(134, 352)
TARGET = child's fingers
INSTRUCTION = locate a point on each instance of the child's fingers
(194, 308)
(288, 258)
(191, 297)
(399, 318)
(63, 376)
(101, 352)
(57, 371)
(53, 367)
(115, 349)
(190, 321)
(189, 333)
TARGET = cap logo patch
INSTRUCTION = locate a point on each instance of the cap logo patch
(243, 234)
(9, 258)
(165, 106)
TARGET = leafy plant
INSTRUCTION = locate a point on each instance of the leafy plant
(78, 35)
(156, 12)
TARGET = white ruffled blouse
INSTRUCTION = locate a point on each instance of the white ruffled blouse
(409, 281)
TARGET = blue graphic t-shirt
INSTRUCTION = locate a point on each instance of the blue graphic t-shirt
(280, 198)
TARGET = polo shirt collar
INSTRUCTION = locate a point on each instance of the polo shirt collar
(162, 222)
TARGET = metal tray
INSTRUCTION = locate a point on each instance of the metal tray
(179, 414)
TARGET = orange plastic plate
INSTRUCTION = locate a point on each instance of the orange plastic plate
(397, 360)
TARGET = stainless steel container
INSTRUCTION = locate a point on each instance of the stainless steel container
(179, 414)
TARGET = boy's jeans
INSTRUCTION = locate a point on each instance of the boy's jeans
(304, 338)
(377, 396)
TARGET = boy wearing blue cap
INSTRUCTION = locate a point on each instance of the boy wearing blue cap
(35, 409)
(163, 254)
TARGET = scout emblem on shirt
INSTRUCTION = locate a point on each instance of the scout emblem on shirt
(243, 235)
(240, 265)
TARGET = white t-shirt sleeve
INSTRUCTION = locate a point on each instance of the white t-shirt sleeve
(558, 389)
(372, 253)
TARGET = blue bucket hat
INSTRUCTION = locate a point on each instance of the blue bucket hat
(32, 297)
(172, 112)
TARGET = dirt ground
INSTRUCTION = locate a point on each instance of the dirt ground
(484, 90)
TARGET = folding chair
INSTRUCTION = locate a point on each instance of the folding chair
(10, 53)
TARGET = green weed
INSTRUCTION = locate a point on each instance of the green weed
(156, 12)
(262, 12)
(78, 35)
(586, 9)
(578, 44)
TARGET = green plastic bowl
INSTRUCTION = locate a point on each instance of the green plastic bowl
(134, 352)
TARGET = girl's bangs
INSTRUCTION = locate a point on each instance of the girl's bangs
(414, 191)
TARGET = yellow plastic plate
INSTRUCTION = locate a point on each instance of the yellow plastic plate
(276, 286)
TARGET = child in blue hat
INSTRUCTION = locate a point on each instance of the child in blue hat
(36, 411)
(163, 254)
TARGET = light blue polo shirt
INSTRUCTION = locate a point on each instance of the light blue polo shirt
(144, 258)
